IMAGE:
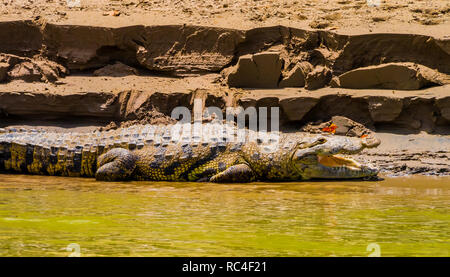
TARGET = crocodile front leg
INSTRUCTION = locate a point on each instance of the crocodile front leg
(116, 165)
(239, 173)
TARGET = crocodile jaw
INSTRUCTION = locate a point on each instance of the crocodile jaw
(336, 167)
(322, 160)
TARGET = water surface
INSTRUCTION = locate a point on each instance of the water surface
(41, 216)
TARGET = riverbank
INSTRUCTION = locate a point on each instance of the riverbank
(386, 67)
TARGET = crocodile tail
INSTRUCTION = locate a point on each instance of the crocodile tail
(46, 153)
(76, 154)
(68, 154)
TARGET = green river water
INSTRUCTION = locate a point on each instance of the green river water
(41, 216)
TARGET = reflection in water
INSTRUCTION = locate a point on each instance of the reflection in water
(41, 216)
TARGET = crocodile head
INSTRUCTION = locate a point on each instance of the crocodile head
(323, 158)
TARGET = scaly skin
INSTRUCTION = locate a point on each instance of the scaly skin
(150, 153)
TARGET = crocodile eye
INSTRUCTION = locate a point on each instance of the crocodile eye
(321, 140)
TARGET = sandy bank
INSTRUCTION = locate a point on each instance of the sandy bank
(345, 17)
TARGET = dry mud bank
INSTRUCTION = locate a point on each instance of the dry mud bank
(186, 49)
(73, 76)
(406, 146)
(111, 99)
(429, 17)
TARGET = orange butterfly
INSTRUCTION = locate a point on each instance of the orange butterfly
(330, 129)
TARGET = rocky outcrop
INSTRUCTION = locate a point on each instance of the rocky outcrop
(374, 49)
(45, 106)
(295, 108)
(26, 71)
(263, 70)
(339, 125)
(318, 78)
(403, 109)
(178, 50)
(22, 38)
(404, 76)
(384, 109)
(186, 50)
(296, 77)
(35, 69)
(260, 70)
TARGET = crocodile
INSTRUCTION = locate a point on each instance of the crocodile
(158, 153)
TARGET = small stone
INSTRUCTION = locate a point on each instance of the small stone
(114, 13)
